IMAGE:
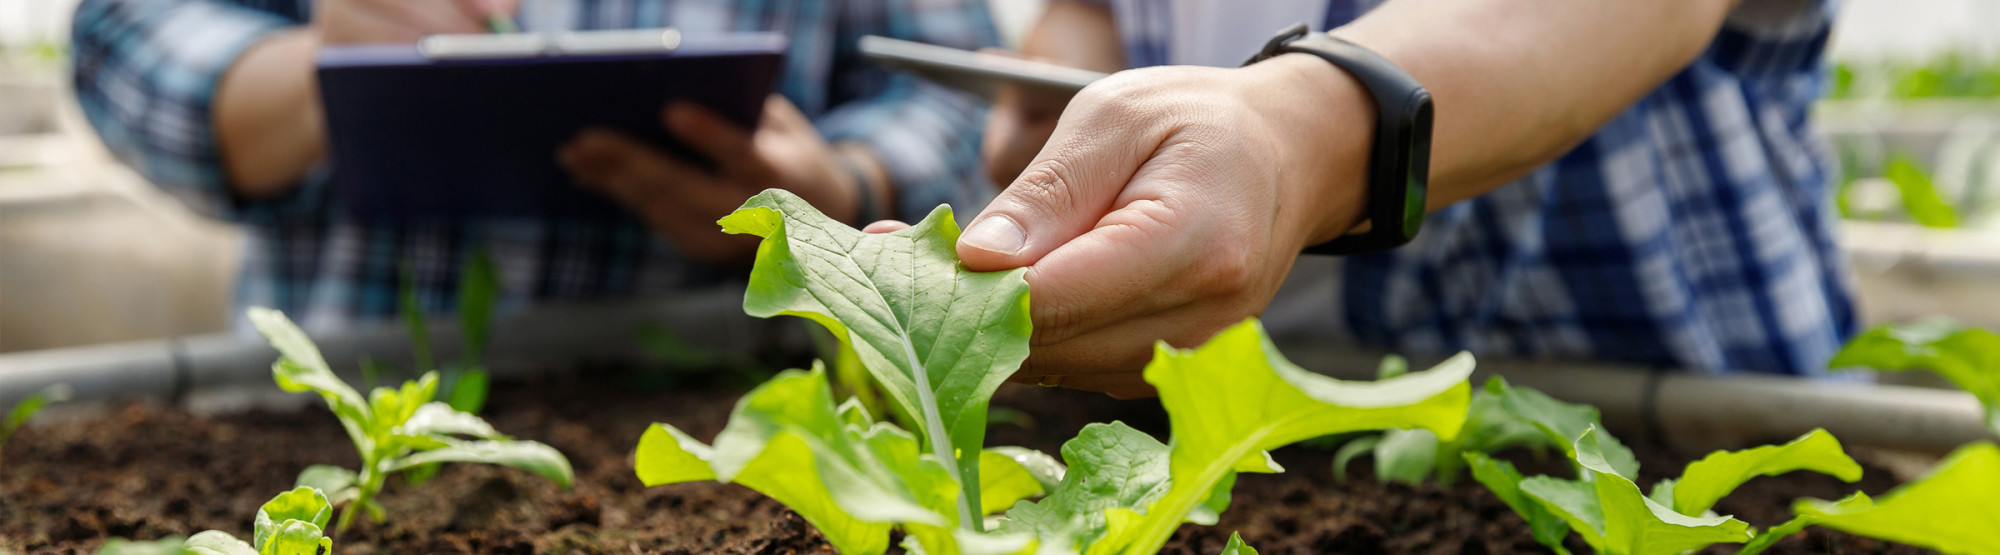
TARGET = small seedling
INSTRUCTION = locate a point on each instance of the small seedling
(1969, 357)
(939, 339)
(1500, 417)
(1609, 512)
(26, 409)
(393, 428)
(293, 523)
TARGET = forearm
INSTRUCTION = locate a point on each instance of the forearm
(268, 122)
(1517, 84)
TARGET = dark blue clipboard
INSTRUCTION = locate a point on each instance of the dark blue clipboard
(417, 138)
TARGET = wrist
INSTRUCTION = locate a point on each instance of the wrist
(1326, 120)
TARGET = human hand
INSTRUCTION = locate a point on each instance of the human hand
(401, 21)
(1170, 203)
(682, 201)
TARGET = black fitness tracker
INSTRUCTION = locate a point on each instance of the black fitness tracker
(1399, 163)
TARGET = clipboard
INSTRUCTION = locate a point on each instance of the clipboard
(974, 72)
(467, 126)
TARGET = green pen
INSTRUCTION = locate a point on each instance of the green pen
(500, 23)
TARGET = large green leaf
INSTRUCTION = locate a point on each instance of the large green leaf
(1969, 357)
(1235, 397)
(1501, 478)
(1951, 510)
(1611, 514)
(940, 339)
(851, 478)
(1709, 479)
(301, 369)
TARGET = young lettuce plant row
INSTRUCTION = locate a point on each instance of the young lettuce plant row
(293, 523)
(940, 339)
(1500, 417)
(1969, 357)
(393, 429)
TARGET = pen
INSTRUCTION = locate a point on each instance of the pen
(501, 23)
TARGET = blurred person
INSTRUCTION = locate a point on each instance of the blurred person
(1626, 180)
(215, 101)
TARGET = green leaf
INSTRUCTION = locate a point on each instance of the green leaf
(1109, 466)
(1235, 397)
(1950, 510)
(1768, 538)
(1046, 469)
(302, 369)
(27, 408)
(1616, 519)
(1709, 479)
(477, 287)
(938, 338)
(1236, 546)
(1920, 197)
(1562, 423)
(1406, 456)
(217, 542)
(439, 419)
(339, 484)
(534, 457)
(1969, 357)
(296, 537)
(1392, 365)
(1005, 480)
(170, 545)
(1504, 481)
(851, 478)
(391, 407)
(302, 504)
(468, 392)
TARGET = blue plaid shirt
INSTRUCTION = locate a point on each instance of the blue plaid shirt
(1694, 230)
(146, 73)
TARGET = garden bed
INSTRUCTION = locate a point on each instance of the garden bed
(143, 470)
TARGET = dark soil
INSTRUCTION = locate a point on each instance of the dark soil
(146, 471)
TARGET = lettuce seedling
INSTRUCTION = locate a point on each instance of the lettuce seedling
(940, 339)
(293, 523)
(1610, 513)
(1969, 357)
(27, 408)
(393, 428)
(1951, 509)
(1500, 417)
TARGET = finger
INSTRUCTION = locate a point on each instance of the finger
(729, 145)
(1065, 190)
(632, 173)
(885, 226)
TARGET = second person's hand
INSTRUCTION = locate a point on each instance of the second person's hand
(681, 201)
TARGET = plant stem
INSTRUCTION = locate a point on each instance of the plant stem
(939, 440)
(371, 481)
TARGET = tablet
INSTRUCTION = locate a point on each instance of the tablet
(467, 126)
(974, 72)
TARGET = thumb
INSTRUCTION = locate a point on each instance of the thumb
(1070, 185)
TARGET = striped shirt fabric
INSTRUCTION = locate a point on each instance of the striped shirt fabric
(1693, 231)
(146, 73)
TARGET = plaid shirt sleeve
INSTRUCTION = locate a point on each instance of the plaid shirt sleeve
(926, 135)
(146, 74)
